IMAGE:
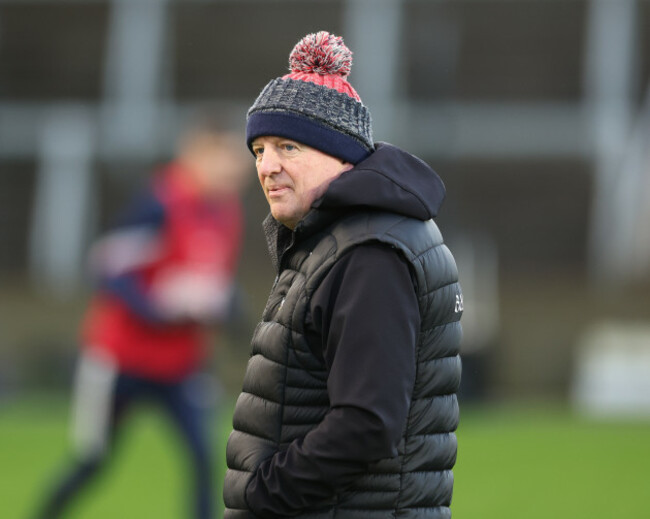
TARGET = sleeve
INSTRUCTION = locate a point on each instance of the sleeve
(130, 245)
(143, 211)
(364, 320)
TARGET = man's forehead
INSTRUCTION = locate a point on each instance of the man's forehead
(273, 139)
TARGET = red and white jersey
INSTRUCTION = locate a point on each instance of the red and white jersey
(165, 271)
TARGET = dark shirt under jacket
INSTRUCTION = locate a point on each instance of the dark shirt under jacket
(363, 322)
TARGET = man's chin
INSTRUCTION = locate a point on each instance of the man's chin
(284, 218)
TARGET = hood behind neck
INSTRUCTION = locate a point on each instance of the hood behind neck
(390, 179)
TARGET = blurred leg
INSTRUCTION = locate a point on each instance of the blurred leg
(80, 475)
(187, 407)
(100, 401)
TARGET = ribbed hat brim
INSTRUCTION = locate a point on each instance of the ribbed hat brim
(306, 130)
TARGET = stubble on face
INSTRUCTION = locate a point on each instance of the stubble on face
(293, 176)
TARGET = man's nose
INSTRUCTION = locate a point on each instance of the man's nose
(269, 163)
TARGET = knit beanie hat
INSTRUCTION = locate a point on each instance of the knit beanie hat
(315, 104)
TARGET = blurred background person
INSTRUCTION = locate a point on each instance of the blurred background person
(165, 273)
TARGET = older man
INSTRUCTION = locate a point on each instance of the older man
(348, 406)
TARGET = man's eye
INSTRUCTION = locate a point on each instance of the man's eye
(258, 152)
(289, 147)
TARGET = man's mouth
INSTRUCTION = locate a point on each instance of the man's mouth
(276, 191)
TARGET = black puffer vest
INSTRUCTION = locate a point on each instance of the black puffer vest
(285, 395)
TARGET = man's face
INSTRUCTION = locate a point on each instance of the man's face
(293, 176)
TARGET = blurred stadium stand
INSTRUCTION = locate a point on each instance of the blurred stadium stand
(535, 112)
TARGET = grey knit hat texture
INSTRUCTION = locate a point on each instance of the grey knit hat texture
(320, 103)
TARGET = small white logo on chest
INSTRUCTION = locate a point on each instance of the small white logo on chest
(459, 303)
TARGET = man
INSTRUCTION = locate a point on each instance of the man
(165, 272)
(348, 407)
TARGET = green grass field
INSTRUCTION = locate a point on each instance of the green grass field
(514, 462)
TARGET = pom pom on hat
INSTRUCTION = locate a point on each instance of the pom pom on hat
(323, 59)
(321, 53)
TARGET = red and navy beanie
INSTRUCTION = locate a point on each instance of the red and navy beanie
(315, 104)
